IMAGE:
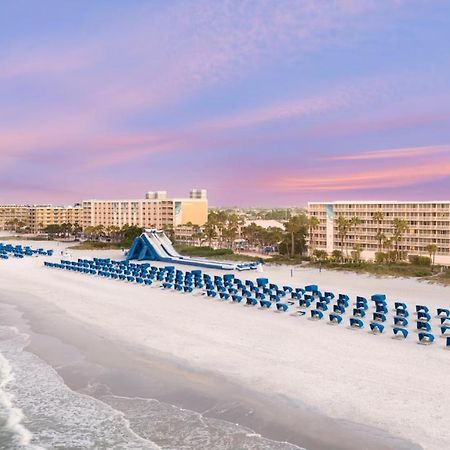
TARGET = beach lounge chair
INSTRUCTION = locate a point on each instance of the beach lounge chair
(362, 305)
(344, 297)
(400, 322)
(423, 316)
(338, 309)
(376, 328)
(445, 331)
(329, 295)
(400, 333)
(312, 288)
(265, 304)
(443, 313)
(423, 326)
(359, 312)
(379, 317)
(342, 302)
(224, 295)
(425, 338)
(360, 299)
(282, 307)
(381, 308)
(261, 282)
(236, 298)
(251, 301)
(400, 312)
(378, 297)
(316, 314)
(335, 319)
(356, 323)
(304, 303)
(321, 306)
(400, 305)
(422, 308)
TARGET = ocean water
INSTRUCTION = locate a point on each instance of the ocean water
(38, 411)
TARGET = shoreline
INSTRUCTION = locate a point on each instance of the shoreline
(111, 367)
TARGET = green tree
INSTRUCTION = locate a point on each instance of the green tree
(297, 230)
(378, 217)
(400, 227)
(343, 227)
(432, 249)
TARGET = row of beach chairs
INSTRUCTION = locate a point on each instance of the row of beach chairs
(18, 251)
(268, 295)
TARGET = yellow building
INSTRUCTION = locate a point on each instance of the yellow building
(428, 223)
(43, 215)
(37, 217)
(12, 216)
(153, 211)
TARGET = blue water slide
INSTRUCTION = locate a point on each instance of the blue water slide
(154, 245)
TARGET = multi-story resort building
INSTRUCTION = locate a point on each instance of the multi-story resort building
(13, 214)
(428, 223)
(43, 215)
(37, 217)
(153, 211)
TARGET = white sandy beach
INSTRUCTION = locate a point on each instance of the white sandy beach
(397, 386)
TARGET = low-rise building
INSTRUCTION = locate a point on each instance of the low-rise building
(427, 223)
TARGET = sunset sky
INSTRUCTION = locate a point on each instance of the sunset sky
(260, 102)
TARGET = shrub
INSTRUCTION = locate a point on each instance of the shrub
(419, 260)
(381, 258)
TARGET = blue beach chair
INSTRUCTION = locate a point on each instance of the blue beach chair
(400, 333)
(335, 319)
(400, 322)
(425, 338)
(265, 304)
(316, 314)
(356, 323)
(376, 328)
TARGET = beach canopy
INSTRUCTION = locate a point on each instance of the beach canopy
(377, 328)
(443, 312)
(335, 318)
(426, 338)
(400, 331)
(356, 323)
(316, 314)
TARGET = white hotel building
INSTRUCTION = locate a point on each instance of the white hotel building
(428, 223)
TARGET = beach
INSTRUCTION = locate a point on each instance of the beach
(150, 368)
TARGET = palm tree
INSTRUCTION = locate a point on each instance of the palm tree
(354, 223)
(210, 231)
(378, 217)
(313, 223)
(400, 227)
(388, 245)
(343, 226)
(292, 227)
(432, 249)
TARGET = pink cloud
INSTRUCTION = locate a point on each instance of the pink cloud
(331, 179)
(393, 153)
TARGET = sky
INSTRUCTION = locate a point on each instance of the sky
(262, 102)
